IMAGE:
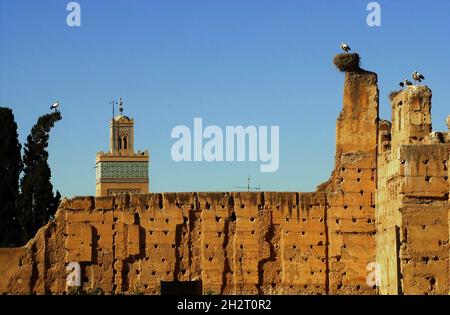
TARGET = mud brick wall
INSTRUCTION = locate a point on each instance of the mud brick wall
(245, 243)
(351, 214)
(412, 201)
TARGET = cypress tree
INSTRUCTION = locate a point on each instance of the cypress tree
(37, 203)
(10, 168)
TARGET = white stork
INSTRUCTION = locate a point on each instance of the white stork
(345, 47)
(417, 77)
(55, 106)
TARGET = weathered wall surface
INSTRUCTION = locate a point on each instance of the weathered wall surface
(351, 216)
(412, 200)
(234, 242)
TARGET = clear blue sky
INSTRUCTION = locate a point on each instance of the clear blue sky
(234, 62)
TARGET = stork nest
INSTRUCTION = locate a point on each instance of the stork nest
(347, 62)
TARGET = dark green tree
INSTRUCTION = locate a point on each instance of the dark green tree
(37, 203)
(10, 168)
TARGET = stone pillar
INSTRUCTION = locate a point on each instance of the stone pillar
(411, 116)
(351, 213)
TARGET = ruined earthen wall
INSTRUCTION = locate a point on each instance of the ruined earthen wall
(412, 200)
(234, 242)
(351, 215)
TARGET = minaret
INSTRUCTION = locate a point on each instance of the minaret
(121, 170)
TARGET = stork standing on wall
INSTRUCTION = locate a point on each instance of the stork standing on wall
(417, 77)
(407, 82)
(402, 85)
(345, 47)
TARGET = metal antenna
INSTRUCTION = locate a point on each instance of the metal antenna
(248, 186)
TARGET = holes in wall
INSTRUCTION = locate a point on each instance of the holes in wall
(219, 234)
(353, 220)
(303, 232)
(156, 246)
(358, 179)
(253, 232)
(427, 178)
(166, 232)
(163, 259)
(337, 221)
(252, 219)
(345, 207)
(359, 170)
(233, 216)
(242, 206)
(425, 259)
(206, 246)
(217, 218)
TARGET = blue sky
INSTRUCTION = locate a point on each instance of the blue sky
(234, 62)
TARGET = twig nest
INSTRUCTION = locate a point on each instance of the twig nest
(347, 62)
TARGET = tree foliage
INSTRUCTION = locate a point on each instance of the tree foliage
(10, 168)
(37, 201)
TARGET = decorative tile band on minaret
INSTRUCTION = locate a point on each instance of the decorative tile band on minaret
(121, 170)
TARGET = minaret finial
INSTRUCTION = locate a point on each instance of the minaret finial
(120, 106)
